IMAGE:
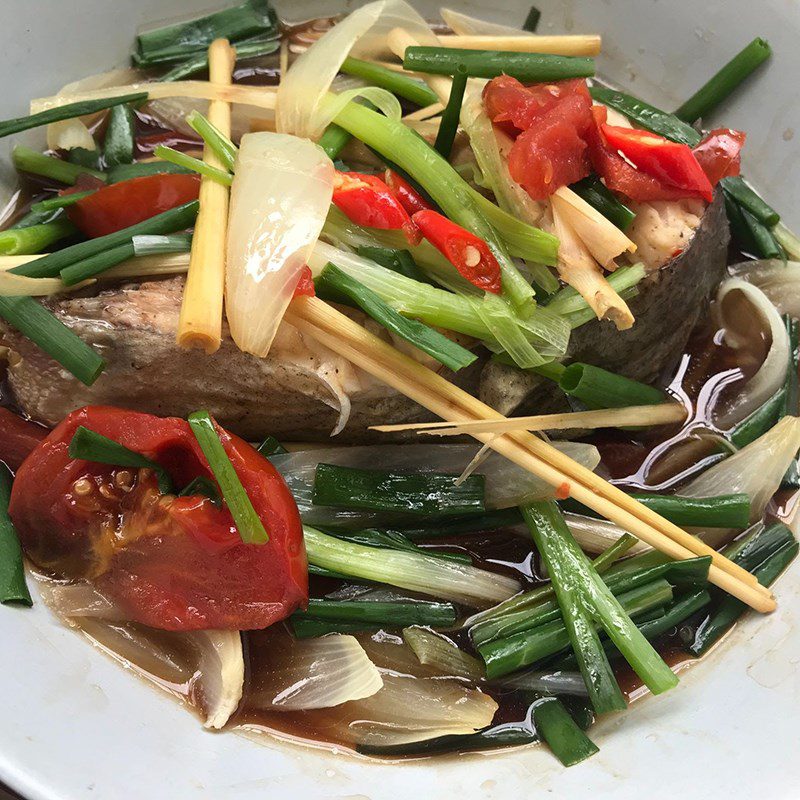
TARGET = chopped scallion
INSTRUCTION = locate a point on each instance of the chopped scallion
(60, 201)
(224, 149)
(27, 160)
(194, 164)
(34, 238)
(247, 521)
(452, 112)
(395, 82)
(13, 588)
(119, 144)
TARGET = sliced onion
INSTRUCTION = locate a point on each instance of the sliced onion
(314, 673)
(780, 282)
(596, 535)
(301, 109)
(756, 470)
(464, 25)
(280, 197)
(737, 303)
(440, 653)
(506, 484)
(211, 662)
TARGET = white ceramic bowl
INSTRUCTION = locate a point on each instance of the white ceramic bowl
(73, 724)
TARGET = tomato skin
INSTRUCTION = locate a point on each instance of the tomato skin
(17, 438)
(719, 154)
(305, 286)
(123, 204)
(180, 563)
(549, 122)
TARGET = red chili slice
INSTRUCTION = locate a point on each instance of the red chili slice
(305, 286)
(470, 255)
(368, 201)
(411, 200)
(170, 562)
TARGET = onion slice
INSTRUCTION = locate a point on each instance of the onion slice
(735, 320)
(465, 25)
(219, 684)
(280, 197)
(314, 673)
(756, 470)
(780, 282)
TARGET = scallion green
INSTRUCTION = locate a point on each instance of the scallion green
(251, 48)
(193, 164)
(526, 67)
(13, 588)
(448, 127)
(247, 521)
(600, 197)
(68, 111)
(119, 143)
(143, 169)
(570, 745)
(60, 201)
(34, 238)
(395, 82)
(27, 160)
(224, 149)
(333, 140)
(598, 388)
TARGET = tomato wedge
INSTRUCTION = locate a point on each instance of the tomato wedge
(175, 563)
(17, 438)
(719, 154)
(123, 204)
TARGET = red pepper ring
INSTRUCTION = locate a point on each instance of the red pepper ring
(368, 201)
(411, 200)
(305, 285)
(469, 254)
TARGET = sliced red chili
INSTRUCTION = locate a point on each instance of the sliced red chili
(368, 201)
(411, 200)
(469, 254)
(671, 163)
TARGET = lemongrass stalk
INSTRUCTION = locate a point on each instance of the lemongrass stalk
(200, 322)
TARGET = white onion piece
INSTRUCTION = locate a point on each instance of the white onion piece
(411, 709)
(301, 109)
(506, 484)
(280, 197)
(780, 282)
(218, 686)
(215, 657)
(464, 25)
(736, 322)
(596, 535)
(316, 673)
(756, 470)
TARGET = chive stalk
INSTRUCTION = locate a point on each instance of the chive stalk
(526, 67)
(193, 164)
(247, 521)
(35, 238)
(598, 388)
(759, 421)
(60, 201)
(224, 149)
(602, 199)
(448, 127)
(747, 198)
(412, 493)
(204, 487)
(400, 261)
(96, 264)
(27, 160)
(119, 143)
(753, 237)
(89, 445)
(449, 191)
(270, 447)
(333, 282)
(184, 39)
(48, 333)
(570, 745)
(13, 588)
(394, 540)
(68, 111)
(333, 140)
(574, 577)
(143, 169)
(722, 511)
(36, 216)
(252, 48)
(49, 266)
(719, 87)
(395, 82)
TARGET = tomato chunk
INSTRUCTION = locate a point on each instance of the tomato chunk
(123, 204)
(175, 563)
(17, 438)
(549, 122)
(305, 286)
(719, 154)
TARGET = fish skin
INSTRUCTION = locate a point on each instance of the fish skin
(667, 308)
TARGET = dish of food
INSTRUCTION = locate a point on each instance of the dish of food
(325, 242)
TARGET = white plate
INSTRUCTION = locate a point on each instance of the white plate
(74, 724)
